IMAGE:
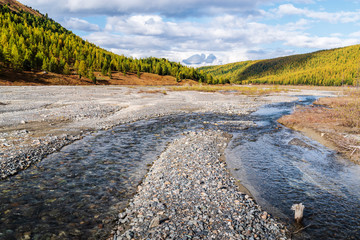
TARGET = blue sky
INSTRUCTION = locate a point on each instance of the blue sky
(230, 30)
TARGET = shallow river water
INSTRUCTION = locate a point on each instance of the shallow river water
(77, 192)
(281, 167)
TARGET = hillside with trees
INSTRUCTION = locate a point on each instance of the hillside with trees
(30, 41)
(333, 67)
(227, 73)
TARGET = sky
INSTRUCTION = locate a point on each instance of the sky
(209, 32)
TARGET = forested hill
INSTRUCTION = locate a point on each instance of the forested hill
(30, 41)
(328, 68)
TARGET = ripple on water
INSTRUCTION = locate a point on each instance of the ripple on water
(280, 173)
(78, 192)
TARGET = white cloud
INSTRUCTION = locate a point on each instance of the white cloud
(80, 24)
(231, 30)
(338, 35)
(163, 7)
(301, 24)
(143, 25)
(228, 37)
(355, 34)
(341, 16)
(289, 9)
(138, 43)
(320, 42)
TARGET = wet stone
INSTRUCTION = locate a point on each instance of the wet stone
(196, 198)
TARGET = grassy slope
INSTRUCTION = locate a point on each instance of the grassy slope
(328, 67)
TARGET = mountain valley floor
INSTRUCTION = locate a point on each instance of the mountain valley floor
(37, 121)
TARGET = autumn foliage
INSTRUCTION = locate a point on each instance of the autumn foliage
(334, 67)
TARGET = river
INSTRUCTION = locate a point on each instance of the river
(281, 167)
(77, 192)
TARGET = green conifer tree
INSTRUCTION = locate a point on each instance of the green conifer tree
(16, 59)
(158, 69)
(138, 73)
(66, 70)
(92, 76)
(109, 72)
(104, 70)
(82, 68)
(45, 65)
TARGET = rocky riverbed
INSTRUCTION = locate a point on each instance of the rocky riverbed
(37, 121)
(202, 199)
(189, 194)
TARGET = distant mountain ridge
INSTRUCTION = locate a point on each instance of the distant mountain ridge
(327, 68)
(18, 7)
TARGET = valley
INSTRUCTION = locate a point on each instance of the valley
(102, 136)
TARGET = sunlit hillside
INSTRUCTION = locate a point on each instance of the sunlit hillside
(30, 41)
(328, 68)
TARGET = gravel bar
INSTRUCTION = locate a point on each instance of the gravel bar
(13, 164)
(34, 120)
(189, 194)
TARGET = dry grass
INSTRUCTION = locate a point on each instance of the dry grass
(309, 87)
(157, 91)
(245, 90)
(345, 110)
(335, 119)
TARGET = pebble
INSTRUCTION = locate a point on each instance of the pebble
(85, 109)
(155, 222)
(189, 194)
(86, 114)
(22, 160)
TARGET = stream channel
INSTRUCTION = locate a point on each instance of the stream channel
(77, 192)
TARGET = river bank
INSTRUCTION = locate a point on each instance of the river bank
(333, 122)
